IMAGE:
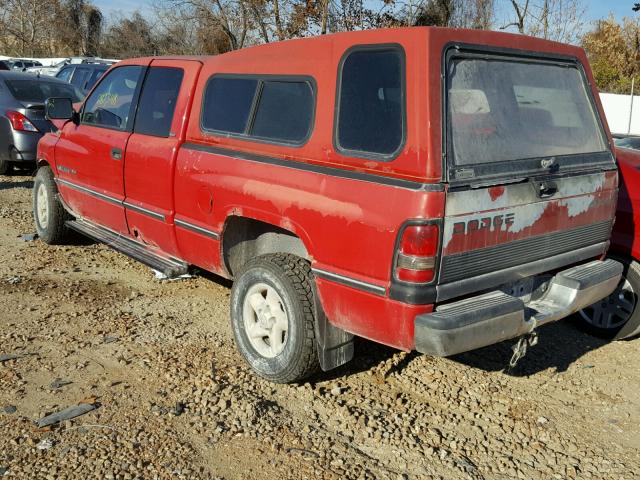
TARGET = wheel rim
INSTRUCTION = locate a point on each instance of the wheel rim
(265, 320)
(613, 311)
(42, 206)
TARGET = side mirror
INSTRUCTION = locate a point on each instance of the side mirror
(59, 108)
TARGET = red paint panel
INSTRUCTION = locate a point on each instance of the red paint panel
(348, 226)
(519, 214)
(370, 316)
(150, 167)
(83, 154)
(625, 239)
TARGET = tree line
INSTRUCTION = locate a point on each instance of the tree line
(58, 28)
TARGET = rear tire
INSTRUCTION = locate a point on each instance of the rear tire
(48, 213)
(618, 315)
(272, 317)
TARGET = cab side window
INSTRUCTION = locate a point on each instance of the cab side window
(276, 109)
(158, 101)
(110, 104)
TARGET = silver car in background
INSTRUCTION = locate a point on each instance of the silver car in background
(22, 120)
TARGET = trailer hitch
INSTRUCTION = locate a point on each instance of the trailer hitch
(520, 348)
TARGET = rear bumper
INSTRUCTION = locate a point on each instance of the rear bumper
(25, 146)
(496, 316)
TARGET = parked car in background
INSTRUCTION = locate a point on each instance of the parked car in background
(4, 65)
(54, 69)
(83, 76)
(627, 141)
(431, 189)
(22, 65)
(22, 120)
(51, 70)
(618, 316)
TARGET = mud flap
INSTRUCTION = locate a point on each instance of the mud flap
(335, 346)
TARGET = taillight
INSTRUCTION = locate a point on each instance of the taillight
(417, 251)
(20, 123)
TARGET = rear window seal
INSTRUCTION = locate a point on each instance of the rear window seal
(604, 159)
(261, 78)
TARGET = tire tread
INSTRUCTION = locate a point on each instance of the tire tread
(298, 271)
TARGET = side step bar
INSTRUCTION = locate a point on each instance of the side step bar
(170, 267)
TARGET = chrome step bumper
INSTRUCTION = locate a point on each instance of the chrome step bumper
(496, 316)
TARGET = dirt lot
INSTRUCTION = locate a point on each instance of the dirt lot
(175, 400)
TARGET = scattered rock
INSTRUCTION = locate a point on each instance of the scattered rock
(9, 409)
(542, 420)
(44, 444)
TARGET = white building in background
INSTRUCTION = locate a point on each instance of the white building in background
(623, 114)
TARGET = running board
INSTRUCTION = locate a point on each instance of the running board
(170, 267)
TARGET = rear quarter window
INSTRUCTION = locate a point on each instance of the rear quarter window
(371, 102)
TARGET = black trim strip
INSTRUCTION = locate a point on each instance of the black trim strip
(458, 288)
(144, 211)
(88, 191)
(335, 172)
(196, 229)
(350, 282)
(112, 200)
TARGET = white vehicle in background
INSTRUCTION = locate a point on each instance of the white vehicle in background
(49, 71)
(22, 65)
(52, 70)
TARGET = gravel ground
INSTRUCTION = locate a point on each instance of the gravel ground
(174, 399)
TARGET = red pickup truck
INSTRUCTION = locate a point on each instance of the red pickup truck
(617, 316)
(430, 189)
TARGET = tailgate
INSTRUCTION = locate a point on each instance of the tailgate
(494, 235)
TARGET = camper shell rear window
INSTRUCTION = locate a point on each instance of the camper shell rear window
(513, 114)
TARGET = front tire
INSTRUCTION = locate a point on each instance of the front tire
(618, 315)
(272, 317)
(48, 213)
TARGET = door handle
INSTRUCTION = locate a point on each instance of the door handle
(116, 153)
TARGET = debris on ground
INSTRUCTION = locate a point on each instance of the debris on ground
(9, 409)
(161, 276)
(44, 444)
(66, 414)
(59, 383)
(28, 237)
(11, 356)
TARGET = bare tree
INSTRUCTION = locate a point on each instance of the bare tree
(521, 10)
(26, 25)
(559, 20)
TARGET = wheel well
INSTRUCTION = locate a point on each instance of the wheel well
(246, 238)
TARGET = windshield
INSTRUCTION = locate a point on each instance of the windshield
(37, 91)
(501, 110)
